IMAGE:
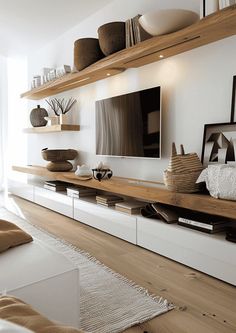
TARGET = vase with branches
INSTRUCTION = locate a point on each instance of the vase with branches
(61, 107)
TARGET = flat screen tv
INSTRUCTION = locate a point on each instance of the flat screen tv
(130, 125)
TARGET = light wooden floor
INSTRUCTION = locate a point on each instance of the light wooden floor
(203, 304)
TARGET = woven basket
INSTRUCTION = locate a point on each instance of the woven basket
(183, 171)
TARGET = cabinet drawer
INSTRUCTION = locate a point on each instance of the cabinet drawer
(209, 253)
(23, 190)
(58, 202)
(106, 219)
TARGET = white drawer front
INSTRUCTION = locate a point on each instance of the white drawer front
(208, 253)
(105, 219)
(60, 203)
(22, 190)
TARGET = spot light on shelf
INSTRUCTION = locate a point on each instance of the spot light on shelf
(161, 56)
(114, 71)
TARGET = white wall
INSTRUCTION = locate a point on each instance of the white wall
(196, 90)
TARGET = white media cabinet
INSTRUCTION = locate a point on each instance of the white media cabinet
(211, 254)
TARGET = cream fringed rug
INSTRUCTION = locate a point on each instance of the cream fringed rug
(109, 302)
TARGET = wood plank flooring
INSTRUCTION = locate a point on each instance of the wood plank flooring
(203, 304)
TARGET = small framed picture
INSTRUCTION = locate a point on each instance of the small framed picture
(233, 102)
(219, 143)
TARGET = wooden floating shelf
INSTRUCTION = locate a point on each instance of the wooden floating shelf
(149, 191)
(51, 129)
(214, 27)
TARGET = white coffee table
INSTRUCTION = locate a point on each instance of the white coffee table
(43, 278)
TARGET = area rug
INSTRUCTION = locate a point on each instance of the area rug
(110, 303)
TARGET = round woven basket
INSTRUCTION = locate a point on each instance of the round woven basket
(183, 171)
(111, 37)
(182, 182)
(86, 52)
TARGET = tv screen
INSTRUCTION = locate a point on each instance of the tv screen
(129, 125)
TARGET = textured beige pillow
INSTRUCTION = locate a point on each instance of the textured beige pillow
(11, 236)
(18, 312)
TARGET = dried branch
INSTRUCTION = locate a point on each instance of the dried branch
(61, 105)
(53, 105)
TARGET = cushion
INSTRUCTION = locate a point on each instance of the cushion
(11, 236)
(8, 327)
(20, 313)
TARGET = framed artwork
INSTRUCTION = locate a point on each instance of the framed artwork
(219, 143)
(233, 102)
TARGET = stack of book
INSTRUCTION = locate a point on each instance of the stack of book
(55, 185)
(130, 207)
(134, 33)
(204, 222)
(80, 191)
(108, 200)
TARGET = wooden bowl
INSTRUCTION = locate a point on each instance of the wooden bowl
(59, 155)
(86, 52)
(165, 21)
(111, 37)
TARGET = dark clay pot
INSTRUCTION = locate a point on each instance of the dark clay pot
(86, 52)
(111, 37)
(37, 117)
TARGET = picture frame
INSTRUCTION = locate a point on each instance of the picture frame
(233, 101)
(219, 143)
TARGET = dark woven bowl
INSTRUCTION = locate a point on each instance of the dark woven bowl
(59, 155)
(86, 52)
(111, 37)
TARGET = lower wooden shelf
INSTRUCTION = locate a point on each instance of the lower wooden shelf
(147, 191)
(51, 129)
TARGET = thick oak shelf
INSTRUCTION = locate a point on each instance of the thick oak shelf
(144, 190)
(51, 129)
(214, 27)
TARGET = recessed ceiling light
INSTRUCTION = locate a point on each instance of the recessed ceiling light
(161, 56)
(108, 74)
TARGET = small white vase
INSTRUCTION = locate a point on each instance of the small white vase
(52, 120)
(63, 119)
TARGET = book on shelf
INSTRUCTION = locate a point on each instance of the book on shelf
(134, 33)
(56, 183)
(54, 188)
(166, 213)
(204, 222)
(130, 207)
(80, 191)
(109, 198)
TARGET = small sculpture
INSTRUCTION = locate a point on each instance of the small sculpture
(102, 171)
(83, 171)
(37, 117)
(59, 158)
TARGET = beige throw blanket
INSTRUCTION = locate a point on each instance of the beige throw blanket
(11, 236)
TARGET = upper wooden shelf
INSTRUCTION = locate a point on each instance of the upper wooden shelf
(51, 129)
(149, 191)
(212, 28)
